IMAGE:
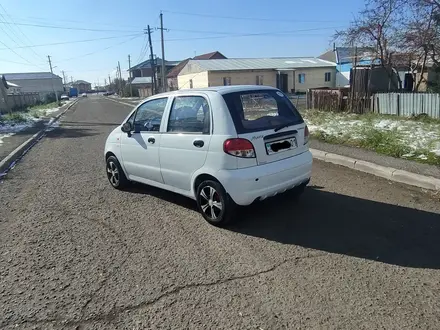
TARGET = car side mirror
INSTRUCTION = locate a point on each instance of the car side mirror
(127, 128)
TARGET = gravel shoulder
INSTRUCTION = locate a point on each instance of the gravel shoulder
(356, 251)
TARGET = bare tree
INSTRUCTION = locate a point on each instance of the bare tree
(419, 37)
(374, 27)
(422, 38)
(401, 33)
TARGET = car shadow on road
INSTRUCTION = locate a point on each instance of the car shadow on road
(347, 225)
(168, 196)
(68, 132)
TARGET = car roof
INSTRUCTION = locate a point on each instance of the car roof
(220, 89)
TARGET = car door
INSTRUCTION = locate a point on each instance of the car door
(185, 143)
(140, 148)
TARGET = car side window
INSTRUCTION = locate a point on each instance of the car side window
(189, 114)
(149, 115)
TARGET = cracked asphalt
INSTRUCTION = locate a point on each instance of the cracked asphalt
(356, 252)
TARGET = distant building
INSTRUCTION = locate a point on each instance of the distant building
(43, 83)
(174, 72)
(144, 69)
(82, 86)
(143, 85)
(13, 88)
(345, 58)
(291, 75)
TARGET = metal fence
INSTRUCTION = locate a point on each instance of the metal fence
(407, 104)
(299, 101)
(18, 101)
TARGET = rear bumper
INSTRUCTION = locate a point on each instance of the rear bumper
(260, 182)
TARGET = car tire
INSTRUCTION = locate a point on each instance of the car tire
(215, 205)
(115, 174)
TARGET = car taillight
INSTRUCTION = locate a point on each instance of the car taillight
(306, 135)
(239, 148)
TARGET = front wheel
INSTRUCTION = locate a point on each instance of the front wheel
(115, 174)
(214, 203)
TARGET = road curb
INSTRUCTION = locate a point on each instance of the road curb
(117, 101)
(390, 173)
(10, 160)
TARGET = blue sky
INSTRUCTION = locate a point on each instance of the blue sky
(280, 28)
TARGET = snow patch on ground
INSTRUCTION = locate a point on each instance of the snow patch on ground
(6, 135)
(13, 128)
(52, 126)
(416, 135)
(9, 128)
(386, 124)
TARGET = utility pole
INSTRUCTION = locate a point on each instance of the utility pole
(129, 75)
(153, 69)
(117, 79)
(51, 78)
(120, 79)
(164, 83)
(64, 77)
(109, 81)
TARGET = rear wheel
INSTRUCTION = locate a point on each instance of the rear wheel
(214, 203)
(115, 174)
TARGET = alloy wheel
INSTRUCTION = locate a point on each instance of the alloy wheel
(210, 202)
(113, 173)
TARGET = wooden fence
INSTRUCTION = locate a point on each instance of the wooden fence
(327, 99)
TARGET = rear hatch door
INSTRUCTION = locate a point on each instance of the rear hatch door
(268, 119)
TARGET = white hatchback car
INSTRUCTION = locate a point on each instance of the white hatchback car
(222, 146)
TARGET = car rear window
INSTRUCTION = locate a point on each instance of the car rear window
(260, 110)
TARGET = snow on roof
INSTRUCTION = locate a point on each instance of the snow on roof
(30, 75)
(232, 64)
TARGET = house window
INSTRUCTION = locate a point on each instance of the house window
(301, 78)
(226, 81)
(190, 83)
(328, 76)
(259, 80)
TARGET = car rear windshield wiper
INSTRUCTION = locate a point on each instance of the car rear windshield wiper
(284, 126)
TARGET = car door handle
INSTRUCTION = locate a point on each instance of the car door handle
(151, 140)
(198, 143)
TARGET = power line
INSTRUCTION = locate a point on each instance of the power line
(68, 28)
(20, 31)
(9, 48)
(244, 18)
(21, 63)
(143, 50)
(18, 54)
(45, 19)
(75, 41)
(100, 50)
(198, 31)
(281, 33)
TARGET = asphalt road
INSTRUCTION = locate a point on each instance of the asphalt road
(356, 252)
